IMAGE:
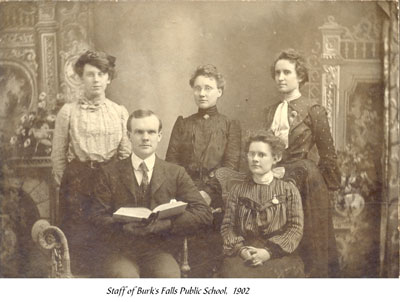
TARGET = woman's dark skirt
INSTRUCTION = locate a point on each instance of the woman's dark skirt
(76, 195)
(318, 246)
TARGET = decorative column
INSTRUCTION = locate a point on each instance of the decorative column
(351, 84)
(331, 58)
(47, 37)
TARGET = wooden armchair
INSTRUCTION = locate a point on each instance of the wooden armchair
(53, 242)
(227, 178)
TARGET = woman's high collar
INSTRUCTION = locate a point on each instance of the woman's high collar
(264, 179)
(209, 111)
(292, 96)
(95, 100)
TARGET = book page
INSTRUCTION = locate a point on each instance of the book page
(170, 205)
(132, 212)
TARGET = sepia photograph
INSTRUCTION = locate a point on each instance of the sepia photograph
(199, 140)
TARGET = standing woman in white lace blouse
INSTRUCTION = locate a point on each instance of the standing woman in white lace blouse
(89, 133)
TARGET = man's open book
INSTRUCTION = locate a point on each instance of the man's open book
(165, 210)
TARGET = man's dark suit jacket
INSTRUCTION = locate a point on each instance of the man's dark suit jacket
(116, 186)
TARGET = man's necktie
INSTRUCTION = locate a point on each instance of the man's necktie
(145, 179)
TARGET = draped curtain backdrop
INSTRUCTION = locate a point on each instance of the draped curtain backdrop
(390, 213)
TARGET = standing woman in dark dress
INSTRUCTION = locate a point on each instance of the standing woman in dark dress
(301, 124)
(89, 133)
(204, 142)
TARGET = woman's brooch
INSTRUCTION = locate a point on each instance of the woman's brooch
(275, 200)
(292, 117)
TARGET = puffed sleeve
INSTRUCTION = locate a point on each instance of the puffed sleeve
(175, 141)
(232, 242)
(231, 157)
(287, 239)
(326, 150)
(60, 142)
(124, 148)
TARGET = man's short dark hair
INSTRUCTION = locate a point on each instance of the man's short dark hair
(141, 113)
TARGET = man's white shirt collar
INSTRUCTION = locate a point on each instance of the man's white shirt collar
(150, 161)
(136, 161)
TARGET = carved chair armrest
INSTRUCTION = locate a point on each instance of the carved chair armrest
(51, 238)
(227, 178)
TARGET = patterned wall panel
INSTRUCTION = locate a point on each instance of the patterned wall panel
(39, 42)
(18, 62)
(351, 91)
(75, 28)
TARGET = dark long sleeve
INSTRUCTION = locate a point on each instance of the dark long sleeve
(197, 214)
(173, 154)
(326, 150)
(231, 157)
(232, 242)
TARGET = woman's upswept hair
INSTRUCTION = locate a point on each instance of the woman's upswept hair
(99, 59)
(295, 57)
(209, 71)
(275, 143)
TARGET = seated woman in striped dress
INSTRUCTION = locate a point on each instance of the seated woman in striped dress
(263, 222)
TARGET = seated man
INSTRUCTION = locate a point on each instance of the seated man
(144, 180)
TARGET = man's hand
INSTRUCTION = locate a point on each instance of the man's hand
(206, 197)
(255, 256)
(140, 230)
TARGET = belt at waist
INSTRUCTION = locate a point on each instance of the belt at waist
(90, 164)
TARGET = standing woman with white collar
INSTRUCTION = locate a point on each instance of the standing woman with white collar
(89, 133)
(303, 124)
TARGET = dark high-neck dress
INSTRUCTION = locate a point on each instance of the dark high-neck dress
(310, 128)
(202, 143)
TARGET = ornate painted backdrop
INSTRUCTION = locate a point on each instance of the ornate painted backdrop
(40, 42)
(390, 215)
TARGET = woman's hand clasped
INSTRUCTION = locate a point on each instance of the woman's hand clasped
(254, 256)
